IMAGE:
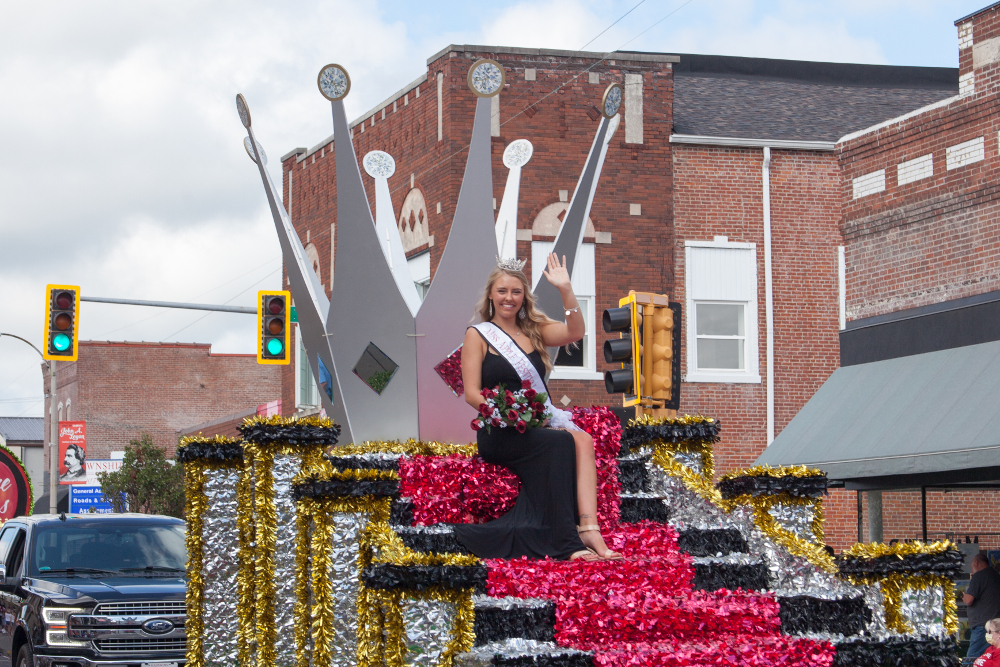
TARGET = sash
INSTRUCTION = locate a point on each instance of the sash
(512, 352)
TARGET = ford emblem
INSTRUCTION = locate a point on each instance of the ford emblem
(157, 626)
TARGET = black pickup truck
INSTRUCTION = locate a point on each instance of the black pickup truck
(92, 590)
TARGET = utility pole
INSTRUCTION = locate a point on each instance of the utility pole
(53, 440)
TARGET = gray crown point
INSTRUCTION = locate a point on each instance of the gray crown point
(260, 150)
(612, 101)
(486, 77)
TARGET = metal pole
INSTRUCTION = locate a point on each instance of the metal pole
(860, 517)
(172, 304)
(53, 440)
(923, 510)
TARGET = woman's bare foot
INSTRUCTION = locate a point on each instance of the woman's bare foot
(591, 537)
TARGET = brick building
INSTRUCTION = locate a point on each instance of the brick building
(124, 389)
(921, 229)
(680, 209)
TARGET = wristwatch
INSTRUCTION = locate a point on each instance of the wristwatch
(573, 310)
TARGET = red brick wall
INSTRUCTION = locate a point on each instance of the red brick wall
(125, 389)
(719, 192)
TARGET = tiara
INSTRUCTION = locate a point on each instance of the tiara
(512, 264)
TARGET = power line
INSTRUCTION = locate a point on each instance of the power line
(233, 299)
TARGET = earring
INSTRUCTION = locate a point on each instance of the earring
(491, 307)
(523, 313)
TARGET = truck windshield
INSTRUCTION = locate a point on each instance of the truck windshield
(117, 546)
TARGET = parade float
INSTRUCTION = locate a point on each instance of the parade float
(328, 541)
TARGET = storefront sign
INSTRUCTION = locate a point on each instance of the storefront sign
(73, 452)
(15, 487)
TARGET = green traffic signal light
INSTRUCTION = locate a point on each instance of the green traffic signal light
(61, 342)
(275, 346)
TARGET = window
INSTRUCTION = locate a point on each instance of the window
(576, 362)
(721, 288)
(306, 393)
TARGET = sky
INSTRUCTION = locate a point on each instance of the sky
(122, 168)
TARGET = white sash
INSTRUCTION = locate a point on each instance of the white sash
(512, 352)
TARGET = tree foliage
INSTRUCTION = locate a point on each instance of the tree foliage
(148, 482)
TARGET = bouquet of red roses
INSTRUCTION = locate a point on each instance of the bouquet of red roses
(521, 409)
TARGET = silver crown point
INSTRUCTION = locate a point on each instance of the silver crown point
(512, 264)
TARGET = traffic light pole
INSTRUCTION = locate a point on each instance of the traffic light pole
(53, 440)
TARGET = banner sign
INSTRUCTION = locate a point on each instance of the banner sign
(15, 487)
(73, 452)
(83, 499)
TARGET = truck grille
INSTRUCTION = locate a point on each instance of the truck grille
(139, 645)
(141, 609)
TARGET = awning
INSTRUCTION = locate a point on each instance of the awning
(920, 420)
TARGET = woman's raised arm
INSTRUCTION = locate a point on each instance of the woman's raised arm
(572, 330)
(473, 353)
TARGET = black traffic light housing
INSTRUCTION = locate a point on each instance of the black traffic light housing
(62, 311)
(273, 324)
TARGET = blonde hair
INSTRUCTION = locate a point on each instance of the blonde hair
(993, 625)
(534, 318)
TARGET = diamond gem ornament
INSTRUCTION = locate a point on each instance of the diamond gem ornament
(243, 110)
(486, 77)
(334, 82)
(379, 164)
(612, 101)
(260, 150)
(517, 153)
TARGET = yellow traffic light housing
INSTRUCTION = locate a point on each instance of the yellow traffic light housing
(62, 311)
(273, 324)
(647, 348)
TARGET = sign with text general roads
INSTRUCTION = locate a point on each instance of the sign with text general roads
(73, 452)
(84, 499)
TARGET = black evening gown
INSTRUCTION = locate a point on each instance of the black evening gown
(543, 520)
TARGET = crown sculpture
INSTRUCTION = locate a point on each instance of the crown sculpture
(379, 343)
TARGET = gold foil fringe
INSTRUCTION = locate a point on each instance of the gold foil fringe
(409, 447)
(775, 471)
(899, 549)
(893, 585)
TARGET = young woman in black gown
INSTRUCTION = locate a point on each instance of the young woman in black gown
(556, 510)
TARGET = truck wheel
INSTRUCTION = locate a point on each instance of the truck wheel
(24, 657)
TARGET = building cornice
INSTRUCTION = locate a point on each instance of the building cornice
(744, 142)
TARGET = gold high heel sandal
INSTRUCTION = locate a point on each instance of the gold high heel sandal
(609, 555)
(587, 555)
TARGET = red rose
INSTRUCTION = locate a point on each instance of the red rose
(539, 407)
(512, 415)
(476, 425)
(525, 384)
(495, 422)
(530, 394)
(485, 409)
(521, 427)
(509, 398)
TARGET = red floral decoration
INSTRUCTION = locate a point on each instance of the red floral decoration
(450, 371)
(605, 428)
(456, 489)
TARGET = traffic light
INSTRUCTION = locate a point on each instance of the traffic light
(273, 312)
(62, 310)
(649, 339)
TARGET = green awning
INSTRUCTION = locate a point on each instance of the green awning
(926, 419)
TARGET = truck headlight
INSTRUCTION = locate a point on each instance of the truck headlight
(56, 621)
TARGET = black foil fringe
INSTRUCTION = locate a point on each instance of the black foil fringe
(496, 624)
(210, 451)
(401, 512)
(362, 463)
(632, 475)
(947, 563)
(571, 660)
(713, 576)
(765, 485)
(422, 577)
(345, 488)
(634, 510)
(672, 432)
(898, 653)
(431, 543)
(801, 613)
(294, 435)
(711, 542)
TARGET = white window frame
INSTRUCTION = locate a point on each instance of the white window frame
(585, 289)
(751, 354)
(416, 265)
(300, 352)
